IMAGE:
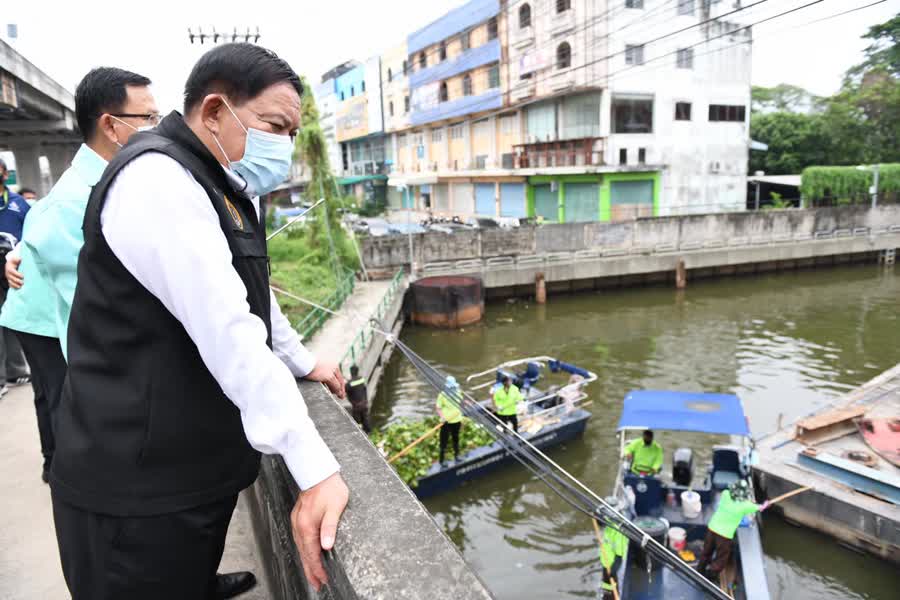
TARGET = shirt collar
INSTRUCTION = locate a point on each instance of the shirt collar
(89, 165)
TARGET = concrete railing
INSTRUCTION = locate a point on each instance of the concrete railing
(504, 263)
(639, 236)
(388, 546)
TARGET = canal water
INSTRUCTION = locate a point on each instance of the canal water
(785, 343)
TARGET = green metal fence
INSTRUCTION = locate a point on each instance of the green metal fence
(314, 319)
(364, 337)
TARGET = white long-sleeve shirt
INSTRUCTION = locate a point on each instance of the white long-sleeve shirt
(160, 224)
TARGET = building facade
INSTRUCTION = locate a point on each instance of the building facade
(558, 110)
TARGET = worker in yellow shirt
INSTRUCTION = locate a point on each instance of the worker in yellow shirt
(645, 454)
(612, 550)
(447, 405)
(506, 403)
(734, 505)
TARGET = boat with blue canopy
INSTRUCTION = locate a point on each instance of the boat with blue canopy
(550, 414)
(675, 507)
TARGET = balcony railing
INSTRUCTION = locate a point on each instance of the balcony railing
(579, 152)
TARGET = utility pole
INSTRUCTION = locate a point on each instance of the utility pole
(216, 37)
(874, 189)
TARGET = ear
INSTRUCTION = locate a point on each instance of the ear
(210, 110)
(106, 128)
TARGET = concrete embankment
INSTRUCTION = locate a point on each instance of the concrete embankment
(575, 256)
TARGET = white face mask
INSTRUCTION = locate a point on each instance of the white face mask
(137, 129)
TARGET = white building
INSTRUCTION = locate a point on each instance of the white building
(682, 102)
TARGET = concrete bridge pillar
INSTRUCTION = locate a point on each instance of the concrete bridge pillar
(28, 169)
(60, 157)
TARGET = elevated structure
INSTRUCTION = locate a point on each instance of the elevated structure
(37, 118)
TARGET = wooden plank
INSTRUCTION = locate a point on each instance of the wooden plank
(831, 417)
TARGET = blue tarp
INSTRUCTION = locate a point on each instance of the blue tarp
(684, 411)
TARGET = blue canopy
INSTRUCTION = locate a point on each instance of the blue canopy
(684, 411)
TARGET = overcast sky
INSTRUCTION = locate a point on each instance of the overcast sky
(151, 38)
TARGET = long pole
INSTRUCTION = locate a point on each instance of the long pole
(782, 497)
(420, 439)
(294, 220)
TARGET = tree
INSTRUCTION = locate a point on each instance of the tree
(795, 141)
(883, 53)
(784, 97)
(325, 231)
(858, 125)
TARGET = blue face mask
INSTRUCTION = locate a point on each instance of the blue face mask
(267, 159)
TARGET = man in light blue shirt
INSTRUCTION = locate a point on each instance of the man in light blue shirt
(110, 105)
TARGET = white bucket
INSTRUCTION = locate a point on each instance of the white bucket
(690, 504)
(677, 538)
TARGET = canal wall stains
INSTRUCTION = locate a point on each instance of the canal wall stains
(390, 252)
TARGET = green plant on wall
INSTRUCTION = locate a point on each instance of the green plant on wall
(848, 185)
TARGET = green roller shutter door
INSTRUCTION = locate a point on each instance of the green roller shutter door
(546, 203)
(631, 199)
(582, 202)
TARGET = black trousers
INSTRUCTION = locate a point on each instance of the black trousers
(48, 371)
(361, 416)
(447, 431)
(714, 543)
(510, 420)
(173, 556)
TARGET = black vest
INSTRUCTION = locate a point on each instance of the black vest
(142, 427)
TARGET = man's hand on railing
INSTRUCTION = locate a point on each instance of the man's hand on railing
(314, 522)
(330, 374)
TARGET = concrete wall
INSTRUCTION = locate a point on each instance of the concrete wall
(393, 251)
(388, 546)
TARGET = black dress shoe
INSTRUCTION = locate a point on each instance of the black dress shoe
(229, 585)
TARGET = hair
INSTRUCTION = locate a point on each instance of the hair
(26, 190)
(507, 379)
(240, 71)
(3, 165)
(354, 370)
(102, 90)
(648, 432)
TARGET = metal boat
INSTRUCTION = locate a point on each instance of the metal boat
(655, 502)
(548, 417)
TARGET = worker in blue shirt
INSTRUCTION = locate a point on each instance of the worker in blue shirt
(13, 208)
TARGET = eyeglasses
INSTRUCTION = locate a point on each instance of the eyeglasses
(152, 119)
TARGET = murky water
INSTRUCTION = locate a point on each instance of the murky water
(785, 343)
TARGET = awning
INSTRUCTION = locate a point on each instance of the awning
(361, 178)
(792, 180)
(684, 411)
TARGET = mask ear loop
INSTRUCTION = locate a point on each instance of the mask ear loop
(123, 123)
(233, 175)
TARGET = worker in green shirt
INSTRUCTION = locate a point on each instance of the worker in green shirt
(645, 454)
(506, 402)
(612, 551)
(448, 402)
(734, 505)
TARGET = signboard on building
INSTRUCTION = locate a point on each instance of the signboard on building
(8, 95)
(425, 97)
(352, 119)
(533, 61)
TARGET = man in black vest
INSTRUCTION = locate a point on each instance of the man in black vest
(181, 366)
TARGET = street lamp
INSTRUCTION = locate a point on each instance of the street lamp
(874, 188)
